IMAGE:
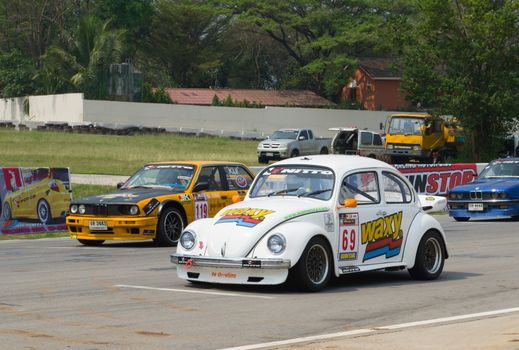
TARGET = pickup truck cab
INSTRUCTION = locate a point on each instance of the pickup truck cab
(289, 143)
(353, 141)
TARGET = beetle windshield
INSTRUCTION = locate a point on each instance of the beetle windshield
(406, 126)
(294, 180)
(284, 135)
(174, 176)
(501, 168)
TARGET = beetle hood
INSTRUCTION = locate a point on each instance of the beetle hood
(237, 228)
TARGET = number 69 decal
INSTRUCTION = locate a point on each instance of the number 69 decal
(348, 236)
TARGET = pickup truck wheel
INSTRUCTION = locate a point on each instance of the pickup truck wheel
(170, 226)
(324, 150)
(6, 212)
(263, 160)
(430, 257)
(294, 153)
(314, 268)
(43, 211)
(91, 242)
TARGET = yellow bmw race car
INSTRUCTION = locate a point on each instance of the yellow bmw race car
(158, 201)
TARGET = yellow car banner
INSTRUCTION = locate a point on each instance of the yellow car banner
(34, 200)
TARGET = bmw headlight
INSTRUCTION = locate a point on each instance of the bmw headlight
(494, 195)
(188, 240)
(502, 195)
(73, 209)
(82, 209)
(134, 210)
(277, 243)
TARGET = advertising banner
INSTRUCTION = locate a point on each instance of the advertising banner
(34, 200)
(438, 179)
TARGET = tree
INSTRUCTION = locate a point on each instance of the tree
(322, 37)
(83, 63)
(16, 71)
(184, 42)
(462, 57)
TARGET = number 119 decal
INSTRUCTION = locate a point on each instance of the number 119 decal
(348, 236)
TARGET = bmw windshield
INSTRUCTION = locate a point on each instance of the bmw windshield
(172, 176)
(294, 180)
(501, 168)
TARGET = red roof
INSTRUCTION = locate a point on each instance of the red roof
(196, 96)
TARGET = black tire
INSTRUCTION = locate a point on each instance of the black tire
(43, 211)
(314, 268)
(91, 242)
(170, 226)
(6, 212)
(430, 257)
(398, 160)
(324, 150)
(263, 160)
(461, 219)
(294, 153)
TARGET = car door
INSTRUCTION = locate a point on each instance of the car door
(400, 210)
(237, 181)
(355, 224)
(209, 200)
(304, 143)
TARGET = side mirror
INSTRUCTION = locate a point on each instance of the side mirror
(236, 198)
(302, 138)
(201, 186)
(267, 138)
(348, 203)
(120, 184)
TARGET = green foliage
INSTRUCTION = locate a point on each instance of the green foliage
(461, 58)
(158, 95)
(16, 71)
(216, 101)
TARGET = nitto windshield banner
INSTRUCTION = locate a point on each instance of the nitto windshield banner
(34, 200)
(438, 179)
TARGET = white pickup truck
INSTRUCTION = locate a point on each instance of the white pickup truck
(288, 143)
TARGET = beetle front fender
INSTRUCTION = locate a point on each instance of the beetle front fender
(297, 235)
(422, 223)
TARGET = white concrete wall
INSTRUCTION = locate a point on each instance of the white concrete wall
(45, 108)
(208, 118)
(11, 109)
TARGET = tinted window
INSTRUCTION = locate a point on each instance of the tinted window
(395, 189)
(211, 176)
(361, 186)
(310, 134)
(377, 140)
(366, 138)
(237, 177)
(303, 134)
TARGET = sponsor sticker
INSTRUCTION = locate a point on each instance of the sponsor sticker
(382, 236)
(349, 236)
(246, 217)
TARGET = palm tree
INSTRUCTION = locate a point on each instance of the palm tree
(83, 64)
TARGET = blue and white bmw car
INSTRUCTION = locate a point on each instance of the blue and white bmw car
(495, 194)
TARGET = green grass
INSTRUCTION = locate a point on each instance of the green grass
(112, 154)
(78, 191)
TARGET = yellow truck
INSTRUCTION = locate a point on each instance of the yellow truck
(421, 137)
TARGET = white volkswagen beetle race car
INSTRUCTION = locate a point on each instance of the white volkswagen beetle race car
(307, 218)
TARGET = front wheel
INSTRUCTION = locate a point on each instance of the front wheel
(324, 150)
(170, 226)
(430, 257)
(313, 270)
(294, 153)
(91, 242)
(43, 211)
(6, 212)
(459, 218)
(263, 160)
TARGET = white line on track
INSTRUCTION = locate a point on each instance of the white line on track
(369, 331)
(196, 292)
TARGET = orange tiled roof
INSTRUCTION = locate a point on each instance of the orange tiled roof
(199, 96)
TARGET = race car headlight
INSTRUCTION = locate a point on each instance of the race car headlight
(134, 210)
(277, 243)
(81, 209)
(494, 195)
(187, 240)
(502, 195)
(458, 195)
(390, 146)
(73, 208)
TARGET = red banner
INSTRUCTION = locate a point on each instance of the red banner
(438, 179)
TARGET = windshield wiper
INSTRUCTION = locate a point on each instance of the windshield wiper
(286, 190)
(314, 192)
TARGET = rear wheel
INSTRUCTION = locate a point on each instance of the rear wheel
(91, 242)
(313, 270)
(294, 153)
(6, 212)
(43, 211)
(430, 257)
(459, 218)
(170, 226)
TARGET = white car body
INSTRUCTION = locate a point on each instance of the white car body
(232, 247)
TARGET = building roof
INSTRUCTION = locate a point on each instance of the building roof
(199, 96)
(381, 68)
